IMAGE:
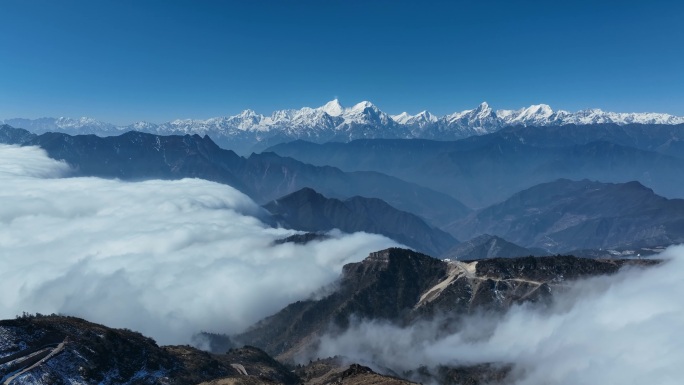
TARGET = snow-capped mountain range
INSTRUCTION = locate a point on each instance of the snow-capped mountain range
(333, 122)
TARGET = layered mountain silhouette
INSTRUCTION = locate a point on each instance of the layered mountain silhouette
(565, 215)
(263, 177)
(570, 216)
(310, 211)
(483, 170)
(665, 139)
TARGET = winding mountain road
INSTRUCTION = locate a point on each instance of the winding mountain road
(47, 353)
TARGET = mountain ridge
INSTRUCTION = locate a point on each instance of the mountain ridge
(308, 210)
(402, 286)
(263, 177)
(565, 214)
(482, 170)
(333, 122)
(488, 246)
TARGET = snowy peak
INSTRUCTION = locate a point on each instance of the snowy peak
(250, 114)
(401, 118)
(483, 111)
(536, 114)
(362, 107)
(542, 110)
(426, 116)
(333, 122)
(332, 108)
(484, 107)
(420, 120)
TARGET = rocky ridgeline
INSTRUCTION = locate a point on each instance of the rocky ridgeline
(403, 286)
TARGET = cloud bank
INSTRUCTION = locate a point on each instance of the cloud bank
(166, 258)
(623, 329)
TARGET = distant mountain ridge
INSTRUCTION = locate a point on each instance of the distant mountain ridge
(263, 177)
(307, 210)
(483, 170)
(566, 215)
(488, 246)
(332, 122)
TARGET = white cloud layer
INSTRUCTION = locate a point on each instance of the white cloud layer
(624, 329)
(166, 258)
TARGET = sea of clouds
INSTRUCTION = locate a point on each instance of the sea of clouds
(622, 329)
(170, 258)
(166, 258)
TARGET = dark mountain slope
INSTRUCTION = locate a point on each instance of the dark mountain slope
(333, 371)
(666, 139)
(308, 210)
(264, 177)
(11, 135)
(402, 286)
(52, 350)
(566, 215)
(83, 352)
(273, 176)
(384, 286)
(137, 156)
(488, 246)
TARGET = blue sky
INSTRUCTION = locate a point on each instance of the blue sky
(128, 60)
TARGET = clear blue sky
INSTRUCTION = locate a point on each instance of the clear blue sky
(128, 60)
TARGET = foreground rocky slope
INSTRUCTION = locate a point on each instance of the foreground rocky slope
(89, 353)
(403, 286)
(51, 350)
(335, 371)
